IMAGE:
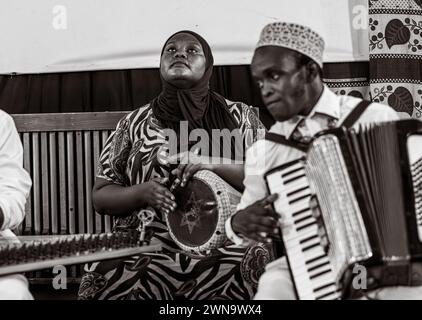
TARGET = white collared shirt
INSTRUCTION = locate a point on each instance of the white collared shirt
(264, 155)
(15, 182)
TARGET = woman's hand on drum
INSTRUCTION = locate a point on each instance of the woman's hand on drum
(190, 163)
(155, 194)
(258, 222)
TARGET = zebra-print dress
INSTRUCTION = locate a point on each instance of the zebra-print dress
(130, 157)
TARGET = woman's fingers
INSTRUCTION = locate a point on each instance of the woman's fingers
(178, 172)
(168, 195)
(167, 201)
(185, 174)
(164, 199)
(190, 170)
(187, 167)
(161, 180)
(164, 206)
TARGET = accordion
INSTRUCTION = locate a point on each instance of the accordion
(352, 206)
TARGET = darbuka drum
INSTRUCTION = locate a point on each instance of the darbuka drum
(203, 206)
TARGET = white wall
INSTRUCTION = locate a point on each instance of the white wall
(74, 35)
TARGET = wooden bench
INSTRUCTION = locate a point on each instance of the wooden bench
(61, 152)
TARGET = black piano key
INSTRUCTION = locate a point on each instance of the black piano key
(303, 241)
(319, 266)
(325, 295)
(300, 212)
(315, 259)
(324, 287)
(310, 247)
(320, 274)
(293, 179)
(306, 226)
(291, 193)
(289, 173)
(310, 216)
(299, 198)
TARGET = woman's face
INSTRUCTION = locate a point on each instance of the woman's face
(183, 61)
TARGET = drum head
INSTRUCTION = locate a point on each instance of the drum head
(195, 219)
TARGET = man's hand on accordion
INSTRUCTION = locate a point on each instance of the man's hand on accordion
(258, 221)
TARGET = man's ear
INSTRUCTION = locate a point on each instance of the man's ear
(312, 71)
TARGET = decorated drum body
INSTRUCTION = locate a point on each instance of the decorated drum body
(203, 206)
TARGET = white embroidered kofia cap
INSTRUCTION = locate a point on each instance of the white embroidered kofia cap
(295, 37)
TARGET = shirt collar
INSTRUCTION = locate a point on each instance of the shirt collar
(327, 105)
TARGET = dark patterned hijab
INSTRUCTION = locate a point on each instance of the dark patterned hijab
(200, 106)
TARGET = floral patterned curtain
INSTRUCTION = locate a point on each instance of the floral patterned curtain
(393, 74)
(395, 60)
(348, 78)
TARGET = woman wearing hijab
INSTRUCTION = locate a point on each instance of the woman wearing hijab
(130, 178)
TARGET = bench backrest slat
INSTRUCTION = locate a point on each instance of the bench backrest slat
(48, 122)
(54, 212)
(36, 182)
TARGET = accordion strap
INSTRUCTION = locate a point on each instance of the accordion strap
(355, 114)
(350, 120)
(278, 138)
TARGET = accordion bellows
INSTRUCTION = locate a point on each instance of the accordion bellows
(354, 200)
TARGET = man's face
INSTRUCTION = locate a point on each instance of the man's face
(281, 81)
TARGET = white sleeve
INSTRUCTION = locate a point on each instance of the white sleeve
(255, 187)
(15, 182)
(255, 168)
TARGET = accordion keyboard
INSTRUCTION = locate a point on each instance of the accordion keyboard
(416, 170)
(309, 263)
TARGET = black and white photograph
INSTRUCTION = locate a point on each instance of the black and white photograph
(233, 151)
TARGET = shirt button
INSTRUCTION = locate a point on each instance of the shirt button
(332, 123)
(305, 139)
(297, 135)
